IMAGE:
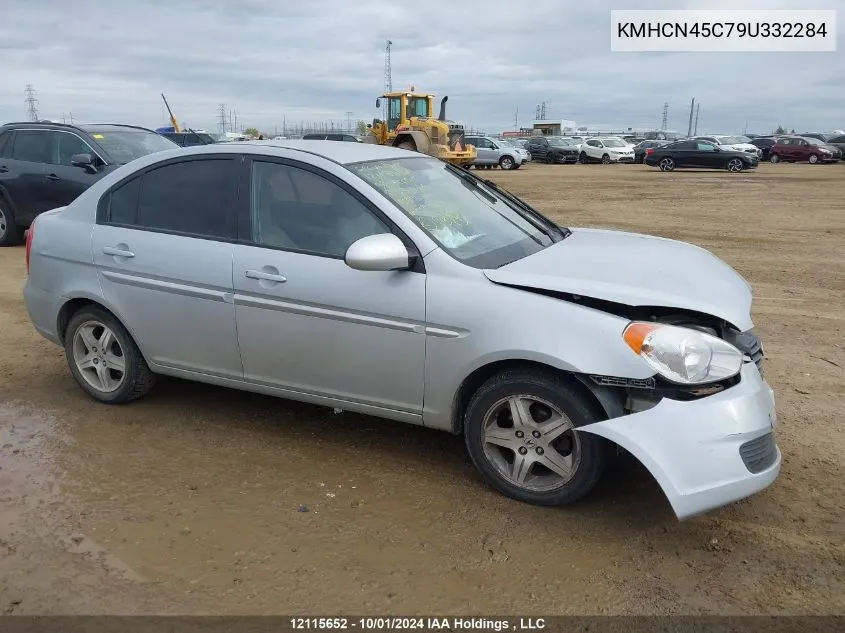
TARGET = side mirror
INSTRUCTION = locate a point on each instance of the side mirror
(85, 161)
(380, 252)
(378, 103)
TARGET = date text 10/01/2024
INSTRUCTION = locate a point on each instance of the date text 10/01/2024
(416, 624)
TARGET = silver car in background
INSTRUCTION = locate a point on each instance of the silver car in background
(496, 153)
(386, 282)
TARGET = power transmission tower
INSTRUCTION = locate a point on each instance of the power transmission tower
(537, 113)
(543, 111)
(31, 102)
(221, 118)
(349, 122)
(516, 120)
(697, 110)
(388, 74)
(691, 110)
(665, 123)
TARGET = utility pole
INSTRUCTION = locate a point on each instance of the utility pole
(516, 120)
(31, 102)
(665, 123)
(388, 74)
(745, 129)
(697, 110)
(221, 118)
(691, 109)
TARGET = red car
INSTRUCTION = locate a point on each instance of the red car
(802, 148)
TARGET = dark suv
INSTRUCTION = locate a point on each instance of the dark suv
(47, 165)
(552, 149)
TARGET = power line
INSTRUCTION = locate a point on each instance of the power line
(691, 109)
(31, 102)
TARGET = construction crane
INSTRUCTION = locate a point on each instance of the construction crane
(173, 121)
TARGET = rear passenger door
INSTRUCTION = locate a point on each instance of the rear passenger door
(23, 173)
(163, 248)
(307, 322)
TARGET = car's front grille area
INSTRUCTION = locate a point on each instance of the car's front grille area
(759, 454)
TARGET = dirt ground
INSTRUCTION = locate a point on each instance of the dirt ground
(187, 501)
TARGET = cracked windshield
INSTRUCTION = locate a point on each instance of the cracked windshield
(470, 221)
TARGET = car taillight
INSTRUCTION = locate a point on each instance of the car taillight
(30, 233)
(649, 151)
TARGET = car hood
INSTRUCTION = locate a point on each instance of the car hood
(634, 270)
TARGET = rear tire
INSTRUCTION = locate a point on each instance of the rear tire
(10, 234)
(582, 158)
(535, 443)
(104, 359)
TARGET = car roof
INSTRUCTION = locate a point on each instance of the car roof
(343, 153)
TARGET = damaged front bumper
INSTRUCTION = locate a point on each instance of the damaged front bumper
(708, 452)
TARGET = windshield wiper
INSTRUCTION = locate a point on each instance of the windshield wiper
(471, 180)
(562, 232)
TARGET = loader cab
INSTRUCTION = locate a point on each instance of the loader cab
(401, 106)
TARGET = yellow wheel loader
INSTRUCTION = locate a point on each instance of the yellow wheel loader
(411, 125)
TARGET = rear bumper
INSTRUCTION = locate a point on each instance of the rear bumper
(41, 307)
(705, 453)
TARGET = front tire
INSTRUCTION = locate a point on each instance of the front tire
(735, 164)
(520, 433)
(104, 359)
(582, 158)
(774, 158)
(813, 159)
(605, 159)
(10, 235)
(506, 162)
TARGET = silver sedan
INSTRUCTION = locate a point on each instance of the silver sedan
(382, 281)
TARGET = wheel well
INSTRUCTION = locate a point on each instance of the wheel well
(72, 307)
(402, 138)
(473, 382)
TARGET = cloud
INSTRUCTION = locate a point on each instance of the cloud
(275, 60)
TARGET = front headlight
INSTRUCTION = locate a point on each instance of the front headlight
(681, 354)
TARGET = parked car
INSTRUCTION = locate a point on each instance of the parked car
(606, 150)
(731, 143)
(799, 149)
(526, 155)
(693, 153)
(641, 147)
(189, 138)
(493, 153)
(838, 142)
(764, 144)
(349, 138)
(378, 258)
(824, 138)
(46, 165)
(552, 149)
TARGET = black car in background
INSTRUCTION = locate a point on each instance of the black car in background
(838, 142)
(764, 144)
(552, 149)
(641, 147)
(47, 165)
(690, 153)
(189, 138)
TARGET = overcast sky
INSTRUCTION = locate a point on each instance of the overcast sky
(316, 60)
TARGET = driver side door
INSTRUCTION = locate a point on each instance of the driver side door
(308, 323)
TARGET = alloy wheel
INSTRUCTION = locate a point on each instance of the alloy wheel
(98, 356)
(735, 164)
(531, 443)
(3, 223)
(667, 164)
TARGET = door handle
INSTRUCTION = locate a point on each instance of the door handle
(260, 274)
(53, 177)
(3, 169)
(117, 252)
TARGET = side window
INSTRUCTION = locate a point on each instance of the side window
(194, 197)
(123, 206)
(593, 143)
(65, 146)
(31, 145)
(297, 209)
(6, 144)
(705, 147)
(838, 139)
(394, 112)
